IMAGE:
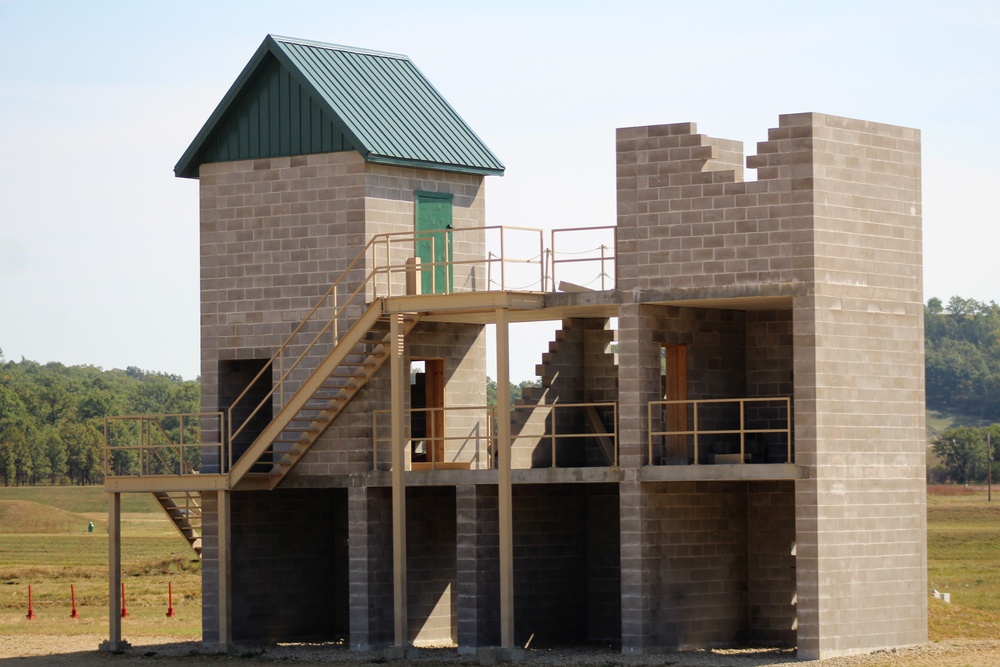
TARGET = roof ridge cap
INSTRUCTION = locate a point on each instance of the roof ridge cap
(339, 47)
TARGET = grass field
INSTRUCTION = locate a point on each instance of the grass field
(44, 543)
(963, 558)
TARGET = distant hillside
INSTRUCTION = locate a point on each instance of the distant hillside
(25, 516)
(52, 416)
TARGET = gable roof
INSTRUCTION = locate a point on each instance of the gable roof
(296, 97)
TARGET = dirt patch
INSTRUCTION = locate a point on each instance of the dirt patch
(39, 650)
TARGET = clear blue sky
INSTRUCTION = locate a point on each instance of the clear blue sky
(98, 100)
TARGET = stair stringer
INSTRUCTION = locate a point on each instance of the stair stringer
(316, 422)
(184, 515)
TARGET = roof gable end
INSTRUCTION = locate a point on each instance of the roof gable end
(296, 97)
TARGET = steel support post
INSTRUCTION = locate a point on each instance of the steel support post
(115, 642)
(506, 518)
(397, 387)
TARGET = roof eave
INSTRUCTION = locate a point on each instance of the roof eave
(437, 166)
(187, 167)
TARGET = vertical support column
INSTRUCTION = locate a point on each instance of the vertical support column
(114, 642)
(506, 527)
(397, 385)
(636, 588)
(225, 572)
(358, 558)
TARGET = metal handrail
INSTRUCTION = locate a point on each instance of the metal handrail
(551, 432)
(602, 257)
(488, 437)
(742, 431)
(151, 429)
(482, 436)
(277, 371)
(285, 369)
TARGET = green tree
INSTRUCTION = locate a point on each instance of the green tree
(84, 452)
(962, 450)
(55, 454)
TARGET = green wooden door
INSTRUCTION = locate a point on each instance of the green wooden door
(433, 214)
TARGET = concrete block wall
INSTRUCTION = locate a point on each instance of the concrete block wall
(370, 567)
(431, 586)
(347, 446)
(769, 372)
(687, 221)
(290, 565)
(861, 527)
(833, 221)
(276, 232)
(566, 568)
(716, 368)
(389, 207)
(697, 540)
(564, 564)
(771, 562)
(271, 243)
(478, 566)
(639, 352)
(604, 588)
(577, 368)
(210, 571)
(289, 569)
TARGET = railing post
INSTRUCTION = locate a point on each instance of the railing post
(788, 427)
(695, 416)
(503, 282)
(602, 266)
(743, 407)
(649, 434)
(336, 318)
(552, 428)
(614, 416)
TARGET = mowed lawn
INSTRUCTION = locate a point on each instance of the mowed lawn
(963, 559)
(45, 543)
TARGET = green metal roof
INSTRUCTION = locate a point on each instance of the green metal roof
(296, 97)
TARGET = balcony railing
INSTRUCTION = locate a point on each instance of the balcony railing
(147, 445)
(543, 436)
(491, 258)
(721, 431)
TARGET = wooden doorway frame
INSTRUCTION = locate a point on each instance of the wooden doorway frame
(433, 409)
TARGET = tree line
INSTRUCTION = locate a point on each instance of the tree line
(962, 372)
(52, 416)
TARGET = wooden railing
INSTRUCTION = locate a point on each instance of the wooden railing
(689, 432)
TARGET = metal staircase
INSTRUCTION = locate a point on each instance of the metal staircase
(321, 398)
(183, 508)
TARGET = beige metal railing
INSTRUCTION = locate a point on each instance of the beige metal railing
(146, 445)
(519, 264)
(682, 426)
(469, 439)
(554, 414)
(579, 250)
(465, 441)
(386, 278)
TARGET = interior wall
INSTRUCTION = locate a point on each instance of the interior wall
(431, 586)
(289, 565)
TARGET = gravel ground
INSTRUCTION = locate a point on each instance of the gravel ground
(32, 651)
